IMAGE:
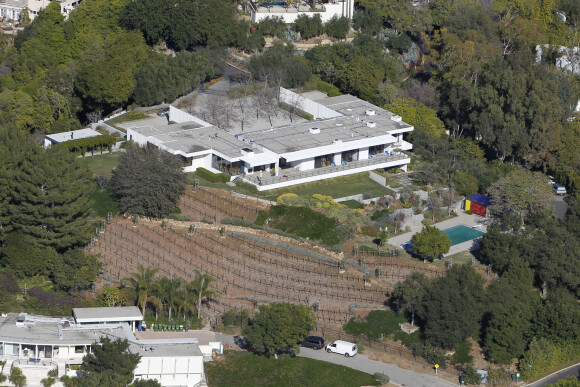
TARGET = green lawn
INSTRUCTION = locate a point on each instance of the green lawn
(247, 369)
(103, 203)
(339, 190)
(103, 164)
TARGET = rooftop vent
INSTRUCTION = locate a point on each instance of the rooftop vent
(337, 141)
(314, 130)
(371, 124)
(371, 112)
(247, 151)
(396, 118)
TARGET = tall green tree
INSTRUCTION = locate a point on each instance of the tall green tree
(145, 286)
(200, 287)
(46, 193)
(279, 326)
(169, 292)
(453, 306)
(111, 357)
(148, 181)
(430, 242)
(75, 271)
(409, 295)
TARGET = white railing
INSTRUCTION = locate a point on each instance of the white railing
(288, 175)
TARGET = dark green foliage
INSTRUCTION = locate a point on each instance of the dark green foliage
(367, 21)
(409, 296)
(381, 377)
(8, 283)
(170, 77)
(148, 181)
(44, 194)
(570, 381)
(236, 318)
(453, 306)
(303, 222)
(401, 43)
(377, 324)
(308, 27)
(25, 259)
(337, 27)
(75, 271)
(430, 242)
(212, 177)
(471, 376)
(145, 383)
(82, 145)
(280, 67)
(185, 24)
(111, 357)
(271, 26)
(278, 327)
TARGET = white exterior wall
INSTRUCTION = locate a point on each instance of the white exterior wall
(137, 137)
(306, 164)
(179, 116)
(337, 158)
(309, 106)
(363, 153)
(171, 371)
(340, 8)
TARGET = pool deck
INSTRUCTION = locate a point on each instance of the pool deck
(461, 219)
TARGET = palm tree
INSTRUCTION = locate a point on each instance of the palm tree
(200, 288)
(169, 290)
(144, 285)
(187, 299)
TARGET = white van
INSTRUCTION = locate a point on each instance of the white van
(559, 189)
(342, 347)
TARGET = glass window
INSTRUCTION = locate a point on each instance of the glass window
(79, 349)
(323, 161)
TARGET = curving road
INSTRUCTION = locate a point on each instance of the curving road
(562, 374)
(360, 362)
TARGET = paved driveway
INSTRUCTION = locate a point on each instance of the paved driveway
(360, 362)
(563, 374)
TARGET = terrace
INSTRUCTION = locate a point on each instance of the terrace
(295, 176)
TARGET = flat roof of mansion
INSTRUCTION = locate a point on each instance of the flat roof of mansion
(107, 314)
(359, 120)
(166, 350)
(76, 134)
(44, 330)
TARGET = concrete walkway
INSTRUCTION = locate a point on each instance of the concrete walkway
(461, 219)
(360, 362)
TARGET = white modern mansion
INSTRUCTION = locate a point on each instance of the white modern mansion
(11, 10)
(348, 135)
(289, 10)
(38, 343)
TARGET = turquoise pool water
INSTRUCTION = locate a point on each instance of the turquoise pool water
(460, 234)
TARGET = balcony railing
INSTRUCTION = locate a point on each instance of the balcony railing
(290, 174)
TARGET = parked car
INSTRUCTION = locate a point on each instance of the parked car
(314, 342)
(343, 348)
(163, 112)
(559, 189)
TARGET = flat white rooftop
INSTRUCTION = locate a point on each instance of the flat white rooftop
(114, 314)
(72, 135)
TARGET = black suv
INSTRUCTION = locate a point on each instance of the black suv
(314, 342)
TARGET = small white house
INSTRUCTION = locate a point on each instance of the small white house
(57, 138)
(290, 10)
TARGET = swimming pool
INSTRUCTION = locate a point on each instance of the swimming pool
(460, 234)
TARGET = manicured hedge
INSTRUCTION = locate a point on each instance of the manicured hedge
(83, 145)
(212, 177)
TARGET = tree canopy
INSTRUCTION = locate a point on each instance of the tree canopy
(111, 361)
(148, 181)
(278, 327)
(430, 242)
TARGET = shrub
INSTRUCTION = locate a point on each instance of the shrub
(237, 222)
(281, 198)
(337, 27)
(246, 186)
(384, 379)
(308, 27)
(236, 318)
(212, 177)
(367, 195)
(469, 212)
